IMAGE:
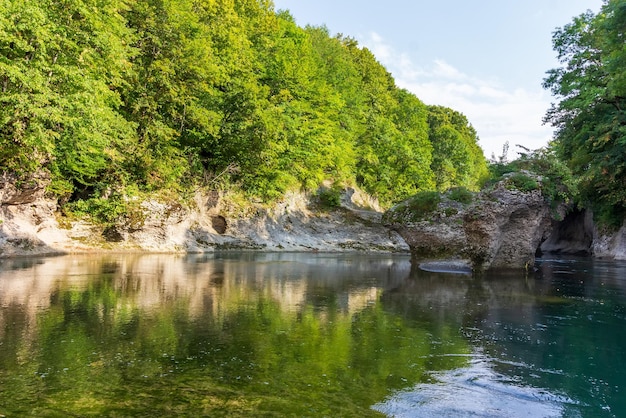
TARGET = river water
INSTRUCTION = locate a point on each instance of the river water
(283, 334)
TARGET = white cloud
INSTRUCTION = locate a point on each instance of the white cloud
(499, 114)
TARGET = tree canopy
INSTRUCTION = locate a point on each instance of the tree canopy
(590, 116)
(168, 94)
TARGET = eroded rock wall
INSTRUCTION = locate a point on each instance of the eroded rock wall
(505, 228)
(30, 224)
(501, 228)
(572, 235)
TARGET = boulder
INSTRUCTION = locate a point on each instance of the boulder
(498, 228)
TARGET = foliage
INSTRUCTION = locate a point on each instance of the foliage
(457, 158)
(109, 211)
(522, 182)
(168, 94)
(329, 196)
(589, 117)
(416, 208)
(61, 66)
(461, 194)
(424, 202)
(557, 182)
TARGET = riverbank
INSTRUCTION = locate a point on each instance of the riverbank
(31, 224)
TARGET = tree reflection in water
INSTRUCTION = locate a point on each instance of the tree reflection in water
(304, 334)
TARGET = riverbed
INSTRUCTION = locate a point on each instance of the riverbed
(308, 334)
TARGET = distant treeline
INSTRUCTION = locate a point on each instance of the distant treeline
(148, 95)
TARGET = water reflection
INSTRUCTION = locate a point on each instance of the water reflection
(220, 334)
(552, 338)
(476, 390)
(204, 282)
(307, 335)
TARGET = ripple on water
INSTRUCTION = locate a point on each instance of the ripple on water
(474, 391)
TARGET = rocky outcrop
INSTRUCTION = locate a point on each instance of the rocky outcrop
(27, 217)
(501, 227)
(31, 224)
(609, 244)
(15, 191)
(578, 234)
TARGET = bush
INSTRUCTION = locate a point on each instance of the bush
(522, 182)
(424, 202)
(450, 211)
(558, 185)
(329, 197)
(497, 170)
(608, 217)
(108, 211)
(461, 195)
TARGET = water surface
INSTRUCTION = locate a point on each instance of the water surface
(280, 334)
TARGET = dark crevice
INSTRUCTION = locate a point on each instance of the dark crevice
(573, 235)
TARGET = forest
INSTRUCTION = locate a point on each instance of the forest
(117, 98)
(123, 97)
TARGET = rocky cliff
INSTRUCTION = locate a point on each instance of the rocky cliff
(30, 224)
(501, 227)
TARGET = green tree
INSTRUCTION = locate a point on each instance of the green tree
(457, 158)
(119, 97)
(172, 93)
(302, 147)
(61, 66)
(589, 117)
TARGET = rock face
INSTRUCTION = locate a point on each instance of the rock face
(27, 218)
(14, 191)
(573, 235)
(578, 234)
(500, 228)
(30, 224)
(609, 244)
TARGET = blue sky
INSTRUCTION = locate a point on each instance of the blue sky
(484, 58)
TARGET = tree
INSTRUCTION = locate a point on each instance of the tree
(117, 97)
(61, 66)
(590, 115)
(457, 158)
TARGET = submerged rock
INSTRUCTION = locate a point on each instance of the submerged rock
(447, 266)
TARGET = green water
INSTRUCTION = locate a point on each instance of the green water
(253, 334)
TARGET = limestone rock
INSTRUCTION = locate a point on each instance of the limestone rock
(609, 244)
(578, 234)
(30, 225)
(573, 235)
(14, 191)
(501, 227)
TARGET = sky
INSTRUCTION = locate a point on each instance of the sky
(484, 58)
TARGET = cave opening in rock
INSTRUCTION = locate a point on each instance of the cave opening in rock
(573, 235)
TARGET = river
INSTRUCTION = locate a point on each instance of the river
(293, 334)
